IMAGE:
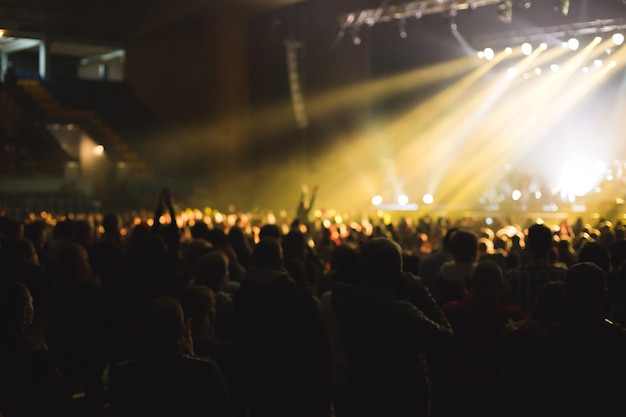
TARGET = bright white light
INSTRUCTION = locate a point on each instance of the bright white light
(618, 38)
(573, 44)
(555, 68)
(543, 46)
(537, 71)
(538, 194)
(527, 49)
(597, 40)
(508, 50)
(481, 54)
(98, 150)
(428, 199)
(585, 70)
(597, 63)
(403, 199)
(512, 72)
(613, 64)
(489, 221)
(516, 195)
(489, 54)
(377, 200)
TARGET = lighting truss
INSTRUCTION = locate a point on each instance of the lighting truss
(412, 10)
(551, 33)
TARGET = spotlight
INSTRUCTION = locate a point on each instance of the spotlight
(525, 4)
(573, 44)
(403, 199)
(527, 49)
(505, 11)
(562, 6)
(356, 39)
(377, 200)
(618, 38)
(402, 29)
(428, 199)
(489, 54)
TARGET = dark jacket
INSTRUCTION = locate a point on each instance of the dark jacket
(388, 338)
(168, 384)
(284, 346)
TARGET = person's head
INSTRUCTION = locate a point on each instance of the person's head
(380, 259)
(486, 279)
(596, 253)
(21, 252)
(72, 267)
(268, 253)
(585, 287)
(16, 308)
(464, 246)
(162, 323)
(198, 304)
(617, 253)
(539, 240)
(270, 230)
(212, 270)
(294, 244)
(344, 263)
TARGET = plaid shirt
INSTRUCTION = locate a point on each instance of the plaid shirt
(526, 281)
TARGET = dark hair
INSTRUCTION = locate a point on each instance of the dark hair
(596, 253)
(13, 298)
(161, 322)
(380, 259)
(539, 240)
(268, 253)
(585, 285)
(464, 246)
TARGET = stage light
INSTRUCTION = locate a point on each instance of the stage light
(403, 199)
(356, 39)
(428, 199)
(562, 6)
(98, 150)
(555, 68)
(618, 38)
(597, 63)
(527, 49)
(508, 50)
(573, 44)
(489, 54)
(505, 11)
(516, 195)
(402, 29)
(512, 72)
(537, 71)
(1, 33)
(377, 200)
(543, 46)
(481, 54)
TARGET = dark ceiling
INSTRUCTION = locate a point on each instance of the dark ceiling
(77, 25)
(111, 21)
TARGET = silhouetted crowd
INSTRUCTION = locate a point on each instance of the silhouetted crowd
(199, 315)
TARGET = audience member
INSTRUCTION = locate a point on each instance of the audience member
(479, 321)
(389, 325)
(284, 346)
(525, 281)
(31, 382)
(575, 367)
(451, 281)
(166, 379)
